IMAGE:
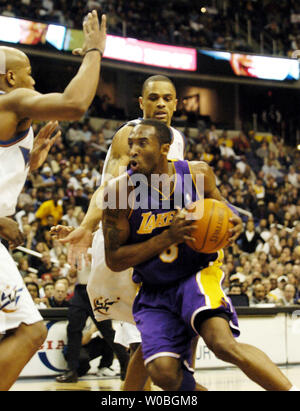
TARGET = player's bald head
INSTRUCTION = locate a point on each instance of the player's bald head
(11, 59)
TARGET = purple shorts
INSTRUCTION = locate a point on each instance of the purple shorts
(165, 315)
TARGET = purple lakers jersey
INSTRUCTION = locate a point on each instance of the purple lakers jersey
(153, 217)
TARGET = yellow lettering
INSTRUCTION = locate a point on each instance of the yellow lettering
(151, 224)
(170, 216)
(151, 221)
(145, 216)
(160, 220)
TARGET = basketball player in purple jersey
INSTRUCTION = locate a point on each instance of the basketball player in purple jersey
(181, 294)
(158, 100)
(21, 326)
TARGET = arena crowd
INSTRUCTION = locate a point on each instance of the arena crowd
(218, 24)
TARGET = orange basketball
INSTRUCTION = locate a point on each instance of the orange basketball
(212, 232)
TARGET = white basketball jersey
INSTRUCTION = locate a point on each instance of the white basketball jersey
(14, 167)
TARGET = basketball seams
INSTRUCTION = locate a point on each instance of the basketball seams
(209, 235)
(208, 225)
(226, 231)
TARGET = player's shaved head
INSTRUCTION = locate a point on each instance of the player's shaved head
(15, 70)
(11, 59)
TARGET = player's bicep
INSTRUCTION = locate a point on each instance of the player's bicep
(206, 179)
(31, 104)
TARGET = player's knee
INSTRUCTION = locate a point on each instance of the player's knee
(164, 374)
(35, 334)
(225, 350)
(39, 333)
(165, 380)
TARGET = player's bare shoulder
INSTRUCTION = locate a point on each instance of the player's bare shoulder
(116, 192)
(10, 119)
(119, 146)
(200, 167)
(11, 101)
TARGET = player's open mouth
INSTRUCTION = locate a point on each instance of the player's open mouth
(160, 115)
(134, 165)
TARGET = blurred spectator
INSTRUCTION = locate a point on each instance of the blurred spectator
(69, 217)
(51, 208)
(23, 267)
(294, 177)
(59, 296)
(259, 295)
(281, 282)
(33, 289)
(238, 298)
(48, 289)
(46, 265)
(70, 285)
(288, 297)
(249, 240)
(63, 266)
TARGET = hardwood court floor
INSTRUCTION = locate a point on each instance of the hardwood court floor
(229, 379)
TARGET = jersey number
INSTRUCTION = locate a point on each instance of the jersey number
(170, 254)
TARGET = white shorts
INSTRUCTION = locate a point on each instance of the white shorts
(126, 334)
(111, 293)
(16, 304)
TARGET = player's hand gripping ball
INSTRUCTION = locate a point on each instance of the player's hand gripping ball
(212, 228)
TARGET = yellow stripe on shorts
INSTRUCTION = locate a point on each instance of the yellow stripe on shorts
(209, 281)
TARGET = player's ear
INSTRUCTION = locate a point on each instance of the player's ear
(10, 78)
(141, 103)
(176, 102)
(165, 149)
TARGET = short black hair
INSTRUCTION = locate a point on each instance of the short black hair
(163, 132)
(47, 284)
(157, 77)
(35, 285)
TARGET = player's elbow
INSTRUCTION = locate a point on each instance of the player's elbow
(115, 264)
(73, 109)
(75, 113)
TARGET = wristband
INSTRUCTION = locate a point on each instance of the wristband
(95, 49)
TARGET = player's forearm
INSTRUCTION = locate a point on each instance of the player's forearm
(94, 212)
(131, 255)
(82, 88)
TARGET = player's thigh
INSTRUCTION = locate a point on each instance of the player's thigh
(163, 334)
(217, 334)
